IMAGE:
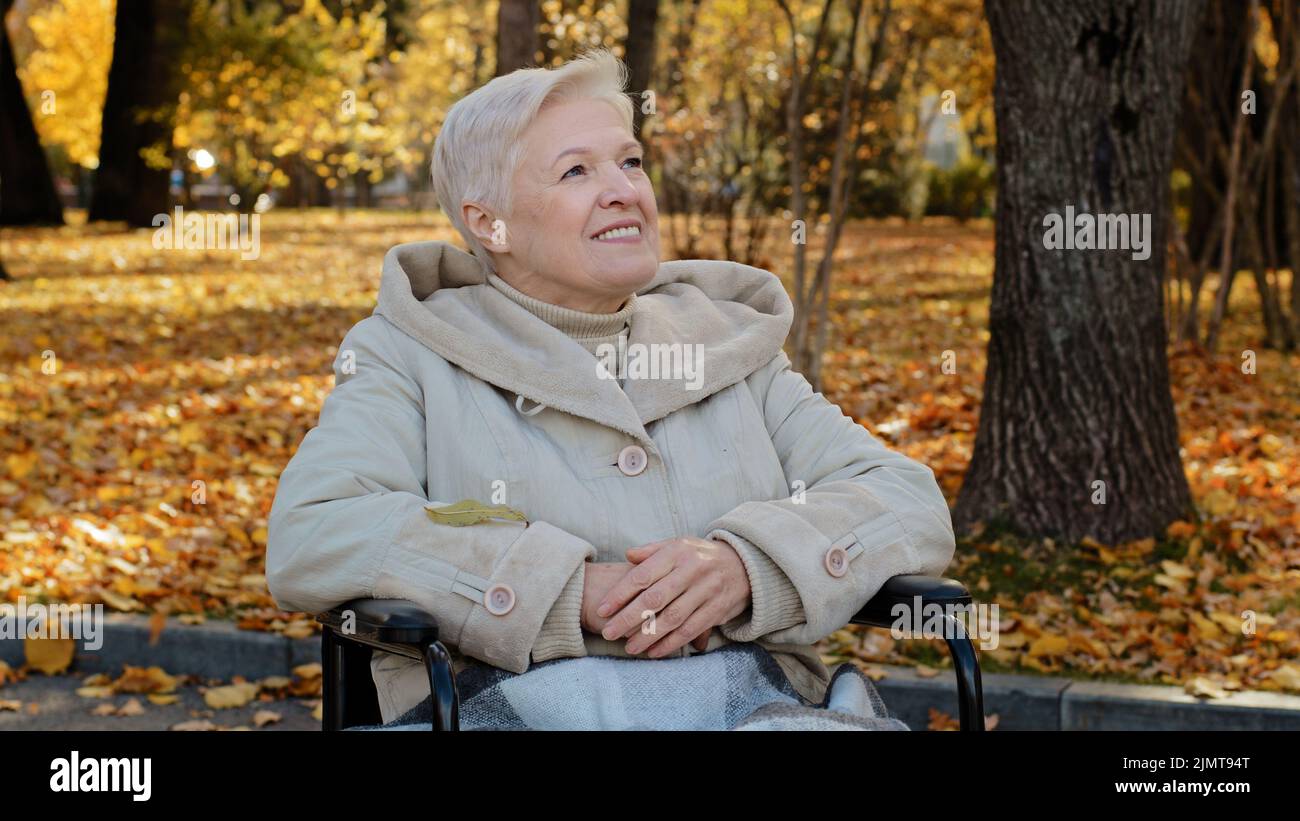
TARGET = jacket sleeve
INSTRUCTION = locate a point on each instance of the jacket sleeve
(349, 521)
(883, 510)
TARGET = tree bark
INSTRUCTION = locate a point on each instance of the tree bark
(517, 22)
(1227, 264)
(1077, 389)
(27, 194)
(639, 52)
(142, 84)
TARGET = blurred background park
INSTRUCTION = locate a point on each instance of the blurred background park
(150, 396)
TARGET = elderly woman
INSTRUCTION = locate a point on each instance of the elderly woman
(683, 488)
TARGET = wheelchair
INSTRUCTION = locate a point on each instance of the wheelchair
(399, 626)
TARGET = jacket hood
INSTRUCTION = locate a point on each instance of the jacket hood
(739, 315)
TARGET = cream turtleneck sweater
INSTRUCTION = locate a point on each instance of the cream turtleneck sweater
(587, 329)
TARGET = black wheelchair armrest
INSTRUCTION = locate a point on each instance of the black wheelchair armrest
(903, 590)
(393, 625)
(943, 592)
(385, 621)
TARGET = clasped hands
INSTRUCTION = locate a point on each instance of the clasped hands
(667, 593)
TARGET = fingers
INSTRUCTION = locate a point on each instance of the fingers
(646, 606)
(638, 554)
(699, 623)
(661, 625)
(639, 578)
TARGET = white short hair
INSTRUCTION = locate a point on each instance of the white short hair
(480, 145)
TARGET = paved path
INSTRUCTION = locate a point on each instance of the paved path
(60, 708)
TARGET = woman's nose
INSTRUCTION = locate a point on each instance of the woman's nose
(617, 187)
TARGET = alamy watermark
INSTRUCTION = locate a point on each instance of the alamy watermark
(655, 360)
(80, 622)
(1102, 232)
(208, 232)
(947, 621)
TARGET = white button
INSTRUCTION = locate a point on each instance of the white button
(499, 599)
(836, 561)
(632, 460)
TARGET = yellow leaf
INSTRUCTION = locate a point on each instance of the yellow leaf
(50, 656)
(263, 469)
(925, 671)
(471, 512)
(1086, 644)
(1030, 661)
(263, 717)
(133, 707)
(1170, 582)
(1205, 688)
(310, 670)
(1218, 502)
(231, 695)
(1206, 627)
(118, 601)
(1269, 445)
(158, 698)
(190, 433)
(299, 630)
(98, 691)
(1049, 645)
(21, 464)
(1177, 570)
(1229, 622)
(1288, 676)
(196, 724)
(144, 680)
(1012, 640)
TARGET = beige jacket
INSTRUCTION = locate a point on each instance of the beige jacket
(452, 391)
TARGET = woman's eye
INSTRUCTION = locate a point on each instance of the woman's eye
(638, 160)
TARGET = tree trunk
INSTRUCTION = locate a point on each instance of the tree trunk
(517, 22)
(1227, 264)
(27, 195)
(639, 52)
(142, 84)
(1077, 434)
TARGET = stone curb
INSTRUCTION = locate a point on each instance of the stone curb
(1024, 702)
(218, 649)
(214, 649)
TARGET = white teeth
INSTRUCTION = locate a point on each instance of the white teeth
(630, 231)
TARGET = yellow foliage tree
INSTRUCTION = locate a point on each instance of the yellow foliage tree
(65, 77)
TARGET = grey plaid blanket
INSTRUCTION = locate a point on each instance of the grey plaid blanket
(736, 687)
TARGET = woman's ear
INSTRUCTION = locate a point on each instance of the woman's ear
(488, 230)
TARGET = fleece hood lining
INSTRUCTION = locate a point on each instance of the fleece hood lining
(439, 295)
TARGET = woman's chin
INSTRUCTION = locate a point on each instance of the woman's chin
(631, 271)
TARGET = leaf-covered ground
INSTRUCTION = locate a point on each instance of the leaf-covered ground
(150, 398)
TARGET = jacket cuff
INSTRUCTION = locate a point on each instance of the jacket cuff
(561, 634)
(775, 602)
(533, 567)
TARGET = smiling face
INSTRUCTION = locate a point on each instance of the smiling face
(580, 174)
